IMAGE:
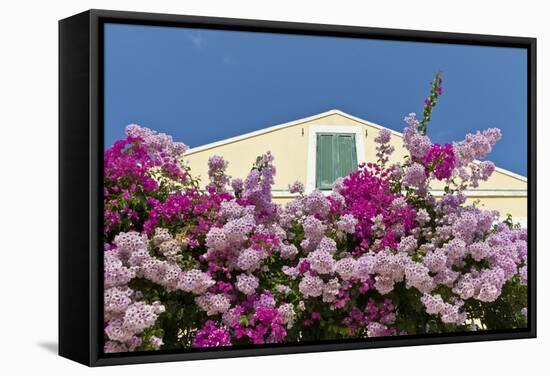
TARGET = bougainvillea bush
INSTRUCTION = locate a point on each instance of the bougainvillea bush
(186, 266)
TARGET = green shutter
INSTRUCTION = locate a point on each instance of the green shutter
(336, 157)
(347, 156)
(325, 160)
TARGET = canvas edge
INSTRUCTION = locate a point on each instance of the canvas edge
(74, 217)
(95, 18)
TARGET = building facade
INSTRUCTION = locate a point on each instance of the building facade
(318, 149)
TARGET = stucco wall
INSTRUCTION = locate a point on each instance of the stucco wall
(290, 147)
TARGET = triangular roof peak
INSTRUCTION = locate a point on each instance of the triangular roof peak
(360, 120)
(286, 125)
(309, 119)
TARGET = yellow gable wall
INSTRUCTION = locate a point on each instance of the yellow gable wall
(289, 146)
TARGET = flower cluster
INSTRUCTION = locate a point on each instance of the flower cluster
(379, 256)
(216, 172)
(383, 216)
(383, 147)
(212, 336)
(441, 160)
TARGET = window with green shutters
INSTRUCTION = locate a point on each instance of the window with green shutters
(336, 157)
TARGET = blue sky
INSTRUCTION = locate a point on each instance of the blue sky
(202, 86)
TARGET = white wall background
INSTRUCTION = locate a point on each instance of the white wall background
(28, 186)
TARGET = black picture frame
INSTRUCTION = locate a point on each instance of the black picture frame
(80, 180)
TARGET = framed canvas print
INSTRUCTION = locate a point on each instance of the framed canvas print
(239, 187)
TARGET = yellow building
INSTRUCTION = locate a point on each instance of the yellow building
(316, 149)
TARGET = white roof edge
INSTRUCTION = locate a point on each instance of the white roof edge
(310, 118)
(499, 169)
(258, 132)
(509, 173)
(282, 126)
(366, 122)
(512, 174)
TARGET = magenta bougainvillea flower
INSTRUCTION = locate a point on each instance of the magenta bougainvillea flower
(441, 160)
(224, 265)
